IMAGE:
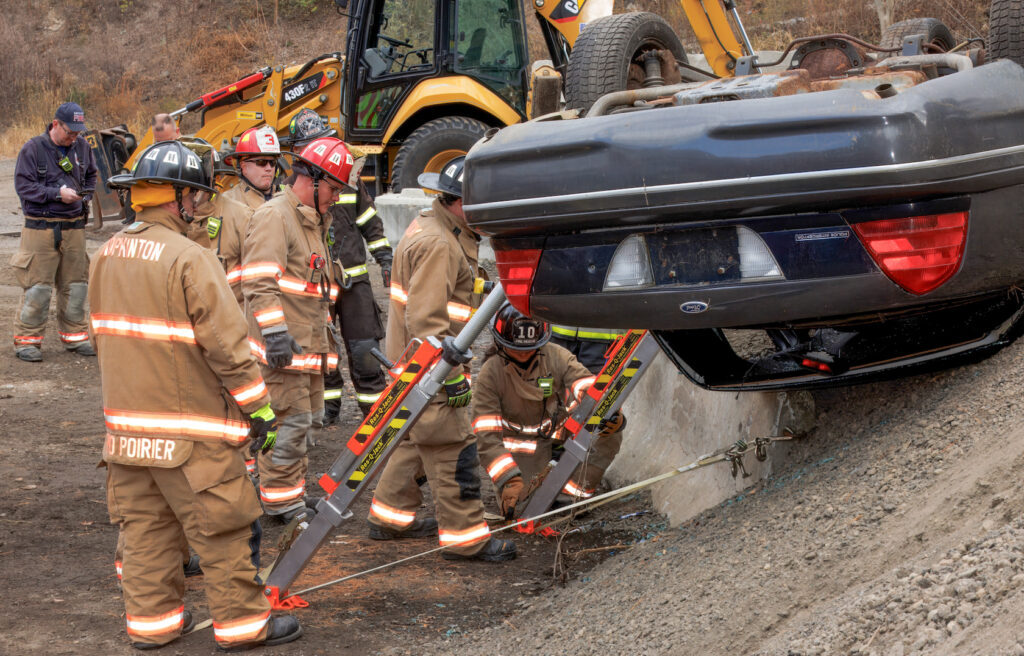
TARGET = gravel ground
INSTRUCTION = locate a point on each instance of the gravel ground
(897, 529)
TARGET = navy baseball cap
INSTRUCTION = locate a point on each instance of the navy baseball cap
(72, 115)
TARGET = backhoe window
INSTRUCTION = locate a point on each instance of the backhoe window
(490, 46)
(403, 39)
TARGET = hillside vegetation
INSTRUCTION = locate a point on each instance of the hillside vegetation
(124, 61)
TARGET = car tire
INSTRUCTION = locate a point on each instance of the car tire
(1005, 36)
(935, 31)
(600, 60)
(431, 146)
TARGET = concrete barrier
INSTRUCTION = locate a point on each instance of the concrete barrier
(672, 422)
(398, 210)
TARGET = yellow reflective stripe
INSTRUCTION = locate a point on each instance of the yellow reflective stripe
(366, 216)
(367, 398)
(583, 333)
(378, 243)
(360, 270)
(330, 394)
(347, 199)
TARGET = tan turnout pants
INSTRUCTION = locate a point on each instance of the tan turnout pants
(211, 501)
(297, 400)
(442, 446)
(40, 267)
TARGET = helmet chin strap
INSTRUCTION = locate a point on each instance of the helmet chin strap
(316, 192)
(178, 196)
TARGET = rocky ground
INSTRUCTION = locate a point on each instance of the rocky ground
(895, 528)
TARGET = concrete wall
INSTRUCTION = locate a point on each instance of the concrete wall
(672, 422)
(398, 210)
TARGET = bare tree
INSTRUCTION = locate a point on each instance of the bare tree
(886, 10)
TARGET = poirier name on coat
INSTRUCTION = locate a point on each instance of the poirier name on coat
(134, 247)
(143, 448)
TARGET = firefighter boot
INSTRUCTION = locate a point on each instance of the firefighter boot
(282, 629)
(424, 527)
(187, 624)
(192, 567)
(29, 353)
(494, 551)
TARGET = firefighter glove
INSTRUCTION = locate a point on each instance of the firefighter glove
(459, 392)
(280, 347)
(262, 430)
(385, 274)
(612, 424)
(510, 496)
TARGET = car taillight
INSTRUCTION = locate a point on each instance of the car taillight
(918, 253)
(516, 269)
(630, 267)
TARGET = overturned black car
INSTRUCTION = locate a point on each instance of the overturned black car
(819, 232)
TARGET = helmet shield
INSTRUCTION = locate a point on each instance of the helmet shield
(516, 332)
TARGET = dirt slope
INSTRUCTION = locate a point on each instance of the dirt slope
(898, 531)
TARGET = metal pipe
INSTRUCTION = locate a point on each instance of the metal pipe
(616, 98)
(731, 6)
(960, 63)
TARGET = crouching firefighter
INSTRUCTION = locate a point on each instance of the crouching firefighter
(54, 177)
(181, 397)
(521, 399)
(355, 228)
(431, 294)
(287, 277)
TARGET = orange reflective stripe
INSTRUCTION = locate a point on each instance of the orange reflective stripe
(306, 362)
(520, 446)
(576, 491)
(270, 316)
(485, 423)
(390, 515)
(241, 630)
(277, 494)
(246, 393)
(472, 535)
(581, 386)
(459, 312)
(71, 338)
(398, 294)
(150, 625)
(261, 270)
(176, 425)
(28, 339)
(234, 275)
(122, 325)
(500, 466)
(117, 569)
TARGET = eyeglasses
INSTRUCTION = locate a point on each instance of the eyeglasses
(263, 162)
(71, 133)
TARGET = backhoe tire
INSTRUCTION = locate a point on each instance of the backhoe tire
(117, 152)
(1005, 33)
(601, 58)
(431, 146)
(935, 31)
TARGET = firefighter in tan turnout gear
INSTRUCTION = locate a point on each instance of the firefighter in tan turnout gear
(521, 398)
(287, 278)
(255, 163)
(432, 283)
(181, 397)
(355, 228)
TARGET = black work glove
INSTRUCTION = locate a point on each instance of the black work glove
(280, 347)
(262, 430)
(459, 392)
(385, 274)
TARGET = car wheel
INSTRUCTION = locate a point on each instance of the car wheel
(935, 33)
(606, 50)
(1005, 36)
(431, 146)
